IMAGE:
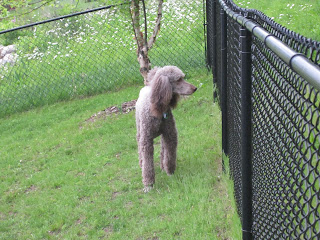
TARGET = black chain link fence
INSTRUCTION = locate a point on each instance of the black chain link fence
(93, 52)
(282, 199)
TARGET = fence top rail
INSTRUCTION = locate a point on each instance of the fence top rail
(62, 17)
(296, 61)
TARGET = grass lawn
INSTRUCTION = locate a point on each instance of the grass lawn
(299, 16)
(64, 178)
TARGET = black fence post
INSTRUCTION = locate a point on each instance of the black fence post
(211, 42)
(223, 76)
(214, 41)
(246, 138)
(209, 32)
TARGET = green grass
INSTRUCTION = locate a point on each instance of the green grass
(299, 16)
(64, 178)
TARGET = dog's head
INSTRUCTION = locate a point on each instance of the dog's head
(167, 84)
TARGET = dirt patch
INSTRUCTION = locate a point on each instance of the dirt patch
(32, 188)
(125, 108)
(108, 231)
(115, 195)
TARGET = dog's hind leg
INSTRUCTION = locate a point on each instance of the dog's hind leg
(162, 155)
(139, 147)
(138, 136)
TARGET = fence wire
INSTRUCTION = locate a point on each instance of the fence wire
(233, 103)
(285, 126)
(286, 172)
(93, 52)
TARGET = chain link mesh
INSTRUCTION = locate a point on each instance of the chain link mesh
(285, 128)
(286, 133)
(213, 55)
(233, 106)
(95, 52)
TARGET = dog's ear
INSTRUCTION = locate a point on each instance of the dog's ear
(174, 100)
(152, 73)
(161, 95)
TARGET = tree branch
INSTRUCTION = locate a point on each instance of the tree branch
(157, 26)
(30, 10)
(135, 14)
(32, 3)
(145, 25)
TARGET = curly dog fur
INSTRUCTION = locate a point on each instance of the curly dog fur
(154, 118)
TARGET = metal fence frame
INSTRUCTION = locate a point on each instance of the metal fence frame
(294, 51)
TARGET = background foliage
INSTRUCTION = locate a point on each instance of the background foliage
(94, 53)
(297, 15)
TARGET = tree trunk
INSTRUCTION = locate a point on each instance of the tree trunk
(143, 45)
(144, 62)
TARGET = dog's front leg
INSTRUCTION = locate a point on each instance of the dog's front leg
(148, 174)
(169, 143)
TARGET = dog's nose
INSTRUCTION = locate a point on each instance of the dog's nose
(195, 89)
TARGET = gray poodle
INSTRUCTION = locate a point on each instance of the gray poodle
(154, 118)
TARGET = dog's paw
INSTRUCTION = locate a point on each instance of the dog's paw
(147, 189)
(170, 173)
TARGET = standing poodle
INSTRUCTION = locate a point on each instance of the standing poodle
(154, 118)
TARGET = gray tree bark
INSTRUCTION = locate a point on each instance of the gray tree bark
(143, 44)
